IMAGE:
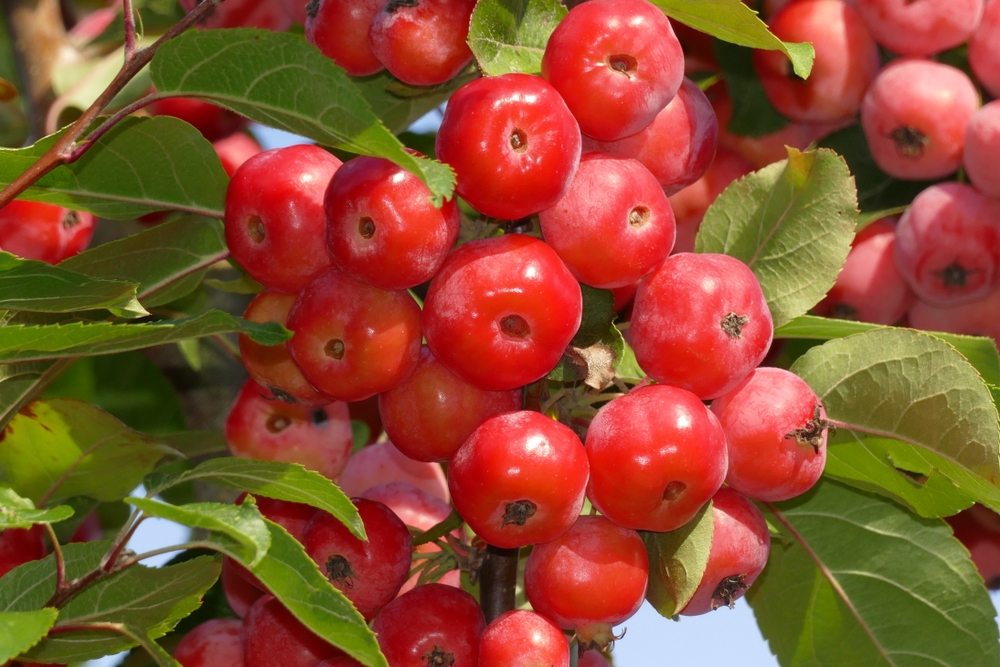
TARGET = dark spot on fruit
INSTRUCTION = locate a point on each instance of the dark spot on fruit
(366, 227)
(955, 275)
(728, 591)
(335, 349)
(515, 326)
(518, 140)
(255, 229)
(319, 416)
(277, 423)
(623, 64)
(393, 5)
(518, 512)
(70, 220)
(280, 394)
(312, 8)
(338, 571)
(674, 491)
(732, 324)
(438, 657)
(910, 142)
(639, 216)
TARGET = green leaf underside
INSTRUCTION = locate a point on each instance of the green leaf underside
(732, 21)
(862, 581)
(66, 448)
(20, 630)
(284, 82)
(792, 223)
(19, 512)
(510, 35)
(397, 110)
(30, 586)
(677, 562)
(272, 479)
(915, 389)
(141, 165)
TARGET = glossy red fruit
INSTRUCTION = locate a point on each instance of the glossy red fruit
(353, 340)
(870, 287)
(741, 544)
(689, 205)
(948, 245)
(512, 142)
(211, 120)
(847, 61)
(422, 42)
(269, 14)
(261, 427)
(616, 63)
(593, 659)
(974, 318)
(984, 49)
(433, 411)
(614, 224)
(340, 662)
(982, 145)
(430, 625)
(521, 638)
(912, 28)
(777, 431)
(274, 216)
(19, 546)
(983, 545)
(519, 479)
(590, 578)
(656, 456)
(339, 28)
(678, 145)
(382, 462)
(501, 311)
(701, 322)
(240, 593)
(381, 227)
(214, 643)
(368, 573)
(48, 233)
(914, 118)
(293, 517)
(236, 149)
(273, 636)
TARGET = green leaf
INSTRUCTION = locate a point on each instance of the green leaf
(156, 652)
(398, 106)
(792, 223)
(753, 115)
(20, 342)
(732, 21)
(29, 587)
(20, 630)
(39, 287)
(63, 448)
(272, 479)
(196, 443)
(628, 369)
(510, 35)
(282, 81)
(242, 523)
(113, 178)
(18, 512)
(242, 285)
(866, 219)
(907, 386)
(677, 562)
(861, 581)
(20, 382)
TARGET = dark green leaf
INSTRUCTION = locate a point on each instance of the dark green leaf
(20, 382)
(159, 656)
(20, 630)
(398, 106)
(18, 512)
(196, 443)
(510, 35)
(677, 562)
(866, 219)
(753, 115)
(29, 587)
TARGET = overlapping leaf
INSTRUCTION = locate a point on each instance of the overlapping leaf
(510, 35)
(19, 512)
(677, 562)
(20, 630)
(29, 587)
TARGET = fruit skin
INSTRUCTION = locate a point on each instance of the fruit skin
(773, 423)
(269, 14)
(273, 636)
(274, 216)
(912, 28)
(678, 145)
(214, 643)
(339, 28)
(382, 462)
(513, 143)
(982, 542)
(847, 61)
(381, 227)
(617, 63)
(691, 203)
(614, 224)
(519, 479)
(914, 118)
(984, 49)
(296, 10)
(982, 145)
(19, 546)
(501, 311)
(741, 544)
(656, 456)
(45, 232)
(370, 573)
(520, 638)
(353, 340)
(948, 245)
(236, 149)
(688, 327)
(422, 627)
(422, 43)
(240, 593)
(974, 318)
(212, 121)
(433, 411)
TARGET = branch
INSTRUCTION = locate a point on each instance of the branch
(129, 18)
(498, 581)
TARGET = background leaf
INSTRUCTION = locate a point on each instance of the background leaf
(510, 35)
(753, 115)
(399, 106)
(677, 562)
(20, 630)
(30, 586)
(18, 512)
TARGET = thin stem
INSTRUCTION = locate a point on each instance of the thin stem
(126, 533)
(60, 562)
(183, 546)
(104, 127)
(129, 30)
(452, 522)
(229, 347)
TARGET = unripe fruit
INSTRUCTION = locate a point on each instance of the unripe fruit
(45, 232)
(214, 643)
(273, 636)
(984, 49)
(982, 145)
(339, 28)
(521, 638)
(911, 28)
(382, 462)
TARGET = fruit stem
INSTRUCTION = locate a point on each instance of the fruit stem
(498, 581)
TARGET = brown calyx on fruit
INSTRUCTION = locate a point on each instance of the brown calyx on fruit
(70, 220)
(438, 657)
(319, 416)
(910, 142)
(277, 423)
(729, 591)
(639, 216)
(338, 571)
(393, 5)
(623, 64)
(733, 324)
(518, 140)
(255, 229)
(366, 227)
(812, 433)
(335, 349)
(515, 326)
(312, 8)
(954, 275)
(674, 491)
(518, 512)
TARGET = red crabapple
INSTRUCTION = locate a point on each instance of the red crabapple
(214, 643)
(847, 61)
(593, 659)
(339, 28)
(973, 318)
(691, 203)
(741, 544)
(777, 431)
(983, 545)
(433, 411)
(588, 579)
(512, 142)
(382, 462)
(948, 244)
(19, 546)
(656, 456)
(911, 28)
(614, 224)
(982, 146)
(521, 638)
(381, 227)
(273, 636)
(914, 118)
(269, 14)
(260, 427)
(519, 479)
(984, 49)
(240, 592)
(45, 232)
(422, 42)
(211, 120)
(701, 322)
(616, 63)
(296, 10)
(274, 216)
(234, 150)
